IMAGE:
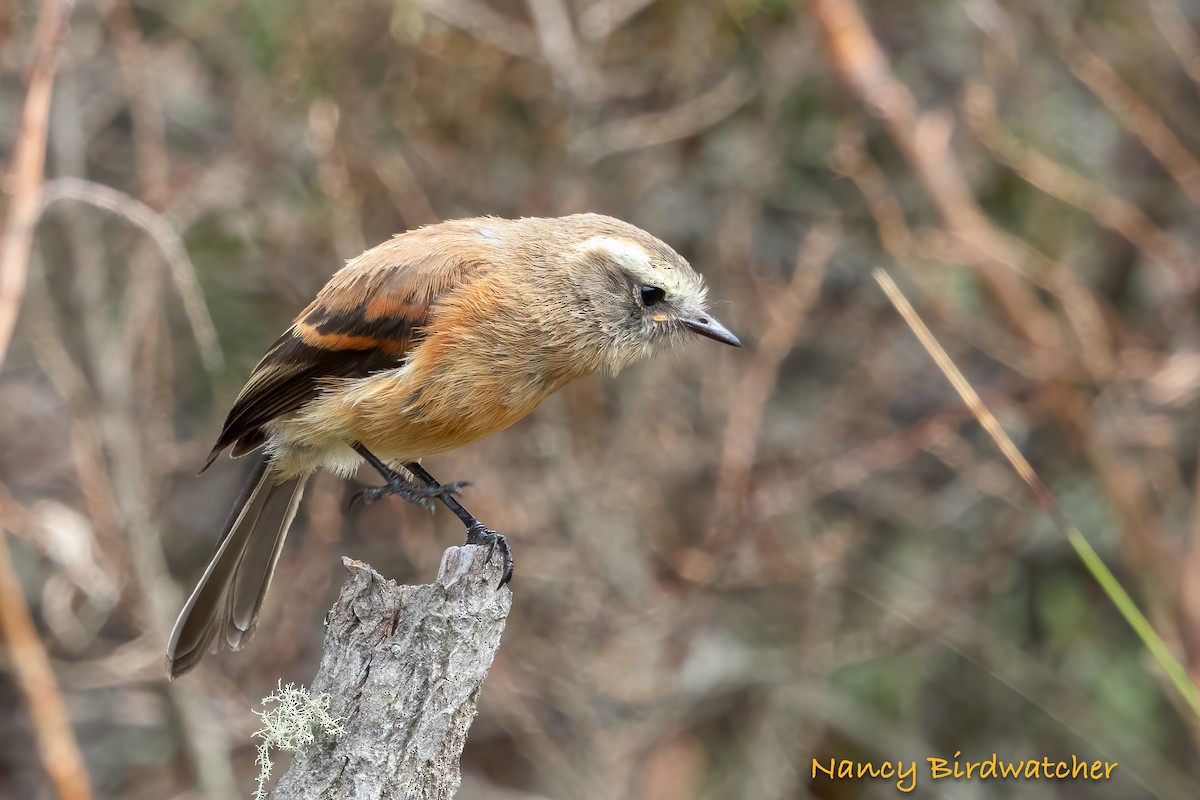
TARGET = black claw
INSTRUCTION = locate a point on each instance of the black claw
(477, 534)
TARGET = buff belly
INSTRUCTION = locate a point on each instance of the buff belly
(394, 417)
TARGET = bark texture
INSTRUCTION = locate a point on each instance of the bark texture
(403, 666)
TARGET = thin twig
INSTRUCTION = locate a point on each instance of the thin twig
(23, 181)
(601, 19)
(56, 741)
(1108, 582)
(560, 49)
(486, 25)
(1060, 181)
(924, 139)
(757, 382)
(149, 131)
(850, 158)
(183, 272)
(659, 127)
(1134, 113)
(1030, 678)
(1189, 590)
(1179, 35)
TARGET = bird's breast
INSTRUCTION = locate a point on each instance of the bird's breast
(423, 408)
(478, 367)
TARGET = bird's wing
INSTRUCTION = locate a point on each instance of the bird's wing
(365, 320)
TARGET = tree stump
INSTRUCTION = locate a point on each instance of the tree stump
(403, 666)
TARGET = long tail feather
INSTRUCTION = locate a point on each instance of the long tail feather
(223, 609)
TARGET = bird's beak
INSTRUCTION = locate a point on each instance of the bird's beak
(706, 325)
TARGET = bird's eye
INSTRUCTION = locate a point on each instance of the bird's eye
(652, 295)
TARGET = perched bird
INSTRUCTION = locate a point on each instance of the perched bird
(431, 340)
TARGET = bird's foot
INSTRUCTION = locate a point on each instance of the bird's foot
(412, 492)
(486, 537)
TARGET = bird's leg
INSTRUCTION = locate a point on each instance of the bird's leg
(477, 532)
(398, 485)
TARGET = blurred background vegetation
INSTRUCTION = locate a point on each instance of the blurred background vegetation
(730, 562)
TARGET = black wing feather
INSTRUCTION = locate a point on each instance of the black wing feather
(294, 371)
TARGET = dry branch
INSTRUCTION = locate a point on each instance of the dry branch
(924, 139)
(1069, 186)
(31, 666)
(1135, 114)
(787, 311)
(182, 271)
(23, 181)
(403, 666)
(659, 127)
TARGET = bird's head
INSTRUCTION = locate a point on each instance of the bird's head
(631, 288)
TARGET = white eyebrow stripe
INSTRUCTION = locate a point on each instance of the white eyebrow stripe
(622, 251)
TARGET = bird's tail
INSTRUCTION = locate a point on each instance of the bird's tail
(223, 609)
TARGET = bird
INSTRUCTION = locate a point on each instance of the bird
(433, 339)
